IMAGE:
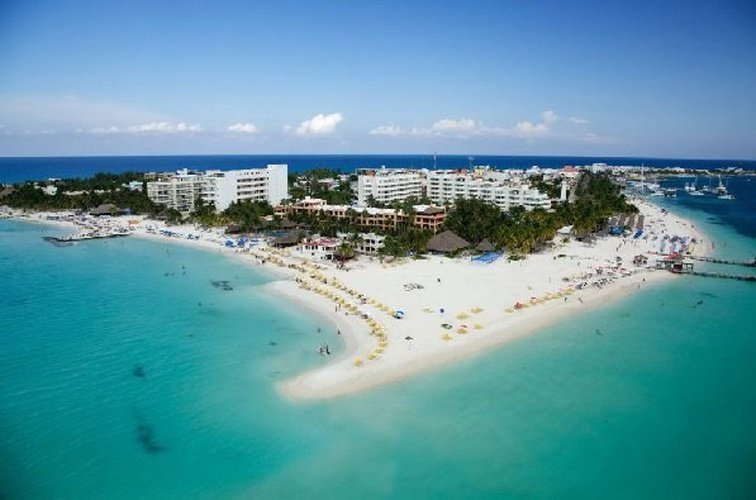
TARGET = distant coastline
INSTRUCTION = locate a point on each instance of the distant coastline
(19, 169)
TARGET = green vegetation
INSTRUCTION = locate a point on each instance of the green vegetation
(597, 199)
(518, 230)
(248, 215)
(550, 188)
(521, 231)
(311, 183)
(405, 241)
(84, 194)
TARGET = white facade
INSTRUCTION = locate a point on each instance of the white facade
(387, 185)
(445, 186)
(178, 190)
(222, 188)
(255, 184)
(318, 248)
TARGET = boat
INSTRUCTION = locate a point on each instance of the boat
(726, 197)
(696, 193)
(721, 190)
(670, 193)
(707, 188)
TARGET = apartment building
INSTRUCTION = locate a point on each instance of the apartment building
(176, 190)
(223, 187)
(498, 188)
(179, 190)
(388, 185)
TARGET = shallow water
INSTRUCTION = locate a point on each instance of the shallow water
(650, 397)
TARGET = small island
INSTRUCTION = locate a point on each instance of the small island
(411, 281)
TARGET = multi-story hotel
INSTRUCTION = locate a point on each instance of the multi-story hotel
(176, 190)
(180, 190)
(223, 187)
(426, 217)
(387, 185)
(503, 188)
(445, 186)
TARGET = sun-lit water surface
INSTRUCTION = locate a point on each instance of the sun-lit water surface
(650, 397)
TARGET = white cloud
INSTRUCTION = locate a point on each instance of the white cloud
(389, 130)
(163, 128)
(103, 130)
(320, 124)
(549, 117)
(528, 130)
(466, 127)
(449, 125)
(578, 121)
(243, 128)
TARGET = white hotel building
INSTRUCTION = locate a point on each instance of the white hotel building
(445, 186)
(387, 185)
(222, 188)
(177, 190)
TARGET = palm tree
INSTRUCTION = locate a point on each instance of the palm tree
(344, 251)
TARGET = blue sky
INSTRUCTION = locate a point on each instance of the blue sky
(675, 79)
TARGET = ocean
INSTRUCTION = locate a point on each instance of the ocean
(126, 374)
(14, 169)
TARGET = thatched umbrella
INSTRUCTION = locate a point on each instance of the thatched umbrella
(233, 229)
(485, 246)
(447, 242)
(288, 239)
(105, 209)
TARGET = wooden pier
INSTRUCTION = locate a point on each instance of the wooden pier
(751, 279)
(82, 237)
(745, 263)
(678, 266)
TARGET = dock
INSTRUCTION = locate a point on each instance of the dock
(678, 266)
(745, 263)
(82, 237)
(726, 276)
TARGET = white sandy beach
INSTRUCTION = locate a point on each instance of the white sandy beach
(453, 308)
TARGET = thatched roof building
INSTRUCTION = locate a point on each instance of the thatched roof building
(485, 246)
(233, 229)
(288, 239)
(105, 209)
(447, 242)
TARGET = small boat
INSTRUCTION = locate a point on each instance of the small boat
(725, 197)
(696, 193)
(721, 190)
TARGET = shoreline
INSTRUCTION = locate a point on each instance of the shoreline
(315, 384)
(380, 349)
(339, 378)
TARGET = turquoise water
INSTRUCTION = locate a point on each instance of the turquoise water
(660, 404)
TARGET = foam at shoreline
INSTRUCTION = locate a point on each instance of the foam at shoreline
(477, 302)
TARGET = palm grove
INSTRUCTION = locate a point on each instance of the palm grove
(595, 198)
